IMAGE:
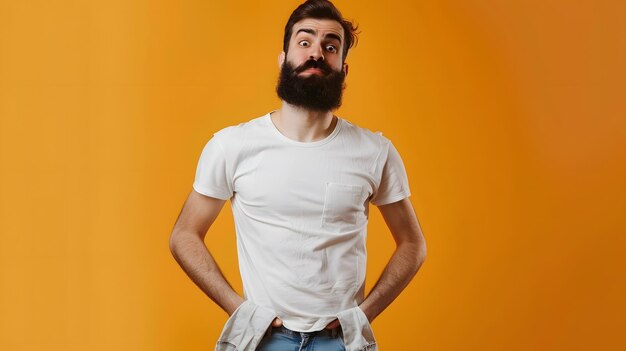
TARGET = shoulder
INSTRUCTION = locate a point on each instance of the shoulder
(237, 133)
(366, 137)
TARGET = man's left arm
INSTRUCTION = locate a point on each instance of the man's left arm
(406, 260)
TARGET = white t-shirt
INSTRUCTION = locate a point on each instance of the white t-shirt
(301, 211)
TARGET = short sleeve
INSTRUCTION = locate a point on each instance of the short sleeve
(212, 177)
(394, 183)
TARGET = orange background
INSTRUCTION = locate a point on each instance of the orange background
(510, 117)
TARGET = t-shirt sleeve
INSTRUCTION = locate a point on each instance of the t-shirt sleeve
(212, 175)
(394, 183)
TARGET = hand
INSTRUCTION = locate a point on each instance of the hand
(332, 325)
(277, 322)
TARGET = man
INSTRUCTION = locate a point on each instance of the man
(300, 180)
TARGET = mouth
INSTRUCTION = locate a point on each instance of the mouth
(314, 71)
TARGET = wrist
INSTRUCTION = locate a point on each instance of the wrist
(238, 301)
(367, 312)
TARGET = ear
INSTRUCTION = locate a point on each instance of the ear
(345, 69)
(281, 59)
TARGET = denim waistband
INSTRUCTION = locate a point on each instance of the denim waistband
(326, 332)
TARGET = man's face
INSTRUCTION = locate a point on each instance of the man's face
(312, 73)
(316, 39)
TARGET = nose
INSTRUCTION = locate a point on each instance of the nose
(316, 53)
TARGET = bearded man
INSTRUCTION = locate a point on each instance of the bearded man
(300, 180)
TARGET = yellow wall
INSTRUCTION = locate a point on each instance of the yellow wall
(510, 117)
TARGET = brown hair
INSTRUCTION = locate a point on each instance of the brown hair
(322, 9)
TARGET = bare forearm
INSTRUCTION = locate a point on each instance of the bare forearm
(195, 259)
(402, 267)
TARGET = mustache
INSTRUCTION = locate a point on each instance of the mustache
(314, 64)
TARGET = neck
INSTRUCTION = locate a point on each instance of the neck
(303, 125)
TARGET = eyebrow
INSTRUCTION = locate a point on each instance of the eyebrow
(314, 32)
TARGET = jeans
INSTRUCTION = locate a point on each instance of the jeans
(283, 339)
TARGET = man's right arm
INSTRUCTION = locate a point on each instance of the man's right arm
(189, 250)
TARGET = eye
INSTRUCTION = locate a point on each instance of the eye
(331, 48)
(303, 42)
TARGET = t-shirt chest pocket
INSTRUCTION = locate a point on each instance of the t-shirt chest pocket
(343, 206)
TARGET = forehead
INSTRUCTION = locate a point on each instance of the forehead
(321, 27)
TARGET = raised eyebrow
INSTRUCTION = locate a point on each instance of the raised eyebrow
(314, 32)
(334, 36)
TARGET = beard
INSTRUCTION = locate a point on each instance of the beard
(313, 92)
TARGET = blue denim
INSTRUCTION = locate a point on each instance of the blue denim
(283, 339)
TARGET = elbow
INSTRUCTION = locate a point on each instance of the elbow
(174, 242)
(414, 253)
(181, 240)
(419, 250)
(422, 254)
